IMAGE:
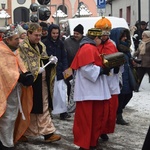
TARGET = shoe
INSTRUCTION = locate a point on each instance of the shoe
(53, 138)
(64, 116)
(120, 120)
(81, 148)
(93, 148)
(23, 139)
(104, 137)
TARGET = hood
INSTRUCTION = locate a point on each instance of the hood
(86, 40)
(116, 34)
(52, 26)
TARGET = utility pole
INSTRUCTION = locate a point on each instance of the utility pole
(79, 7)
(63, 3)
(139, 11)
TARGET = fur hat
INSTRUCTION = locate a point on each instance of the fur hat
(21, 30)
(79, 28)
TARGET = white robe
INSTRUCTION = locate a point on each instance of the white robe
(89, 85)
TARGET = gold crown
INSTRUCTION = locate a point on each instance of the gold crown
(103, 24)
(94, 32)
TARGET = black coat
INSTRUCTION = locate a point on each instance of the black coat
(56, 48)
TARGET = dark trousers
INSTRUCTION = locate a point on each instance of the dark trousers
(146, 145)
(141, 72)
(123, 100)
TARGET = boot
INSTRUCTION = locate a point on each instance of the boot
(120, 120)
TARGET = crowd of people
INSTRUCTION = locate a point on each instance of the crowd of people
(36, 87)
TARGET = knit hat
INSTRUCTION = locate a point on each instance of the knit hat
(79, 28)
(147, 33)
(21, 30)
(105, 25)
(94, 32)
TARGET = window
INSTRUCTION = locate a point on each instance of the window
(21, 1)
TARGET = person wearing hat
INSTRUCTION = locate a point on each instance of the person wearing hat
(44, 30)
(71, 46)
(137, 37)
(22, 33)
(91, 92)
(33, 53)
(15, 85)
(107, 47)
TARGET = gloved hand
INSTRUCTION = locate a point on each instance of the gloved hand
(26, 78)
(41, 70)
(105, 71)
(116, 70)
(53, 59)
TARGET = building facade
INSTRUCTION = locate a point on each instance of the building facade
(19, 10)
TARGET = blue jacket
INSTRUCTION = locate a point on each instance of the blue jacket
(56, 48)
(124, 47)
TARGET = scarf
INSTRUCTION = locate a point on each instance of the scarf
(142, 45)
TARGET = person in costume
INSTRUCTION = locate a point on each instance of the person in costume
(33, 53)
(91, 92)
(106, 47)
(55, 47)
(15, 91)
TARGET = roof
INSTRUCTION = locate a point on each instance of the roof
(83, 11)
(4, 14)
(59, 13)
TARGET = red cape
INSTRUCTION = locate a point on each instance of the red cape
(107, 48)
(87, 54)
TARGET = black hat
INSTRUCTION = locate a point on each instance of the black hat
(79, 28)
(143, 23)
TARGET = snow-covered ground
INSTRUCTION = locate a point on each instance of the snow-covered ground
(131, 137)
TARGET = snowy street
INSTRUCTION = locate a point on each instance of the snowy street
(131, 137)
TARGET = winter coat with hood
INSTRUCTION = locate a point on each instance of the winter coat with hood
(56, 48)
(116, 35)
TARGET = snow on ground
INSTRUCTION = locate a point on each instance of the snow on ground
(131, 137)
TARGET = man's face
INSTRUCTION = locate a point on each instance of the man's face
(35, 37)
(77, 36)
(14, 41)
(54, 34)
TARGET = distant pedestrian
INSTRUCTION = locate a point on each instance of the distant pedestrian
(143, 53)
(137, 36)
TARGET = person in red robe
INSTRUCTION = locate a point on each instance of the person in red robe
(91, 92)
(106, 47)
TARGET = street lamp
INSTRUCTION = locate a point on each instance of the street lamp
(3, 4)
(3, 13)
